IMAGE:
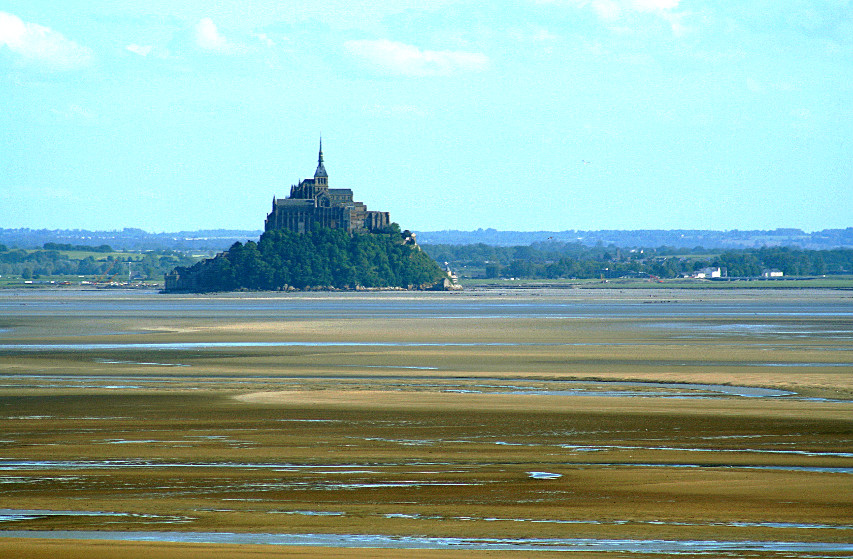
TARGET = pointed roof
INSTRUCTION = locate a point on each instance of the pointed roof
(321, 169)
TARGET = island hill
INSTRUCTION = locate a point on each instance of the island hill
(317, 238)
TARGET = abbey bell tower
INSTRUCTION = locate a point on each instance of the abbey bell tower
(321, 179)
(313, 204)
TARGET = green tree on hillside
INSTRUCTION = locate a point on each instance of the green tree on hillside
(324, 258)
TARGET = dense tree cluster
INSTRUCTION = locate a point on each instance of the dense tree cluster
(574, 260)
(324, 258)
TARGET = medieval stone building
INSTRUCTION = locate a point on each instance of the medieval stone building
(312, 203)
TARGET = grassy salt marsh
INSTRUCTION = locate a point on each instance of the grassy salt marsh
(541, 414)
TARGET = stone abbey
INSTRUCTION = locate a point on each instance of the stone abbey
(313, 204)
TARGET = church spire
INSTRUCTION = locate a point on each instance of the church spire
(321, 169)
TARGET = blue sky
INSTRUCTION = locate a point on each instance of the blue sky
(524, 115)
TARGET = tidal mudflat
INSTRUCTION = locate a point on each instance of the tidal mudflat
(606, 423)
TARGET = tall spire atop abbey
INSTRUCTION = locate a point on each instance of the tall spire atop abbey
(313, 204)
(321, 169)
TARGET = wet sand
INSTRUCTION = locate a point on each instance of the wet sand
(427, 414)
(86, 549)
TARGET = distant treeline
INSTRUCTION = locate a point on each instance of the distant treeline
(574, 260)
(50, 261)
(220, 239)
(682, 238)
(324, 258)
(128, 238)
(79, 248)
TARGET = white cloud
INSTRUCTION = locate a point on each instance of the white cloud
(264, 38)
(607, 9)
(207, 37)
(543, 35)
(532, 33)
(653, 5)
(754, 85)
(40, 45)
(617, 10)
(139, 49)
(614, 9)
(408, 60)
(73, 112)
(395, 111)
(675, 22)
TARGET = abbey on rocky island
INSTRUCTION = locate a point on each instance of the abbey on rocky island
(294, 252)
(312, 203)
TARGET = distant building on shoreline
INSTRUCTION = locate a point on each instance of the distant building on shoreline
(710, 272)
(313, 204)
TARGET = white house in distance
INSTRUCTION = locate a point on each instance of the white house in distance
(711, 272)
(772, 273)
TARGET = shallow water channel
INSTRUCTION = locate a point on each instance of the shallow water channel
(497, 385)
(676, 547)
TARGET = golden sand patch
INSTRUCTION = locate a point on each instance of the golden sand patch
(437, 401)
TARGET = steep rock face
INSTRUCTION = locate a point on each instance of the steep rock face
(320, 259)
